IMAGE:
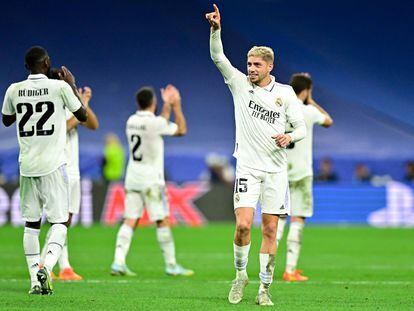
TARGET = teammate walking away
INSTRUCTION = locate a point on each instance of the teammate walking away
(300, 174)
(262, 108)
(38, 106)
(144, 181)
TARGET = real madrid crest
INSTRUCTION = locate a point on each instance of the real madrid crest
(279, 102)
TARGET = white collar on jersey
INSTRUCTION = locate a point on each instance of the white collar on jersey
(144, 113)
(37, 76)
(268, 87)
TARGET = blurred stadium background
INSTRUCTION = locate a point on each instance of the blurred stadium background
(359, 58)
(359, 54)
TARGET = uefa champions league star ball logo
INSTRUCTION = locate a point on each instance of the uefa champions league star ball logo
(279, 102)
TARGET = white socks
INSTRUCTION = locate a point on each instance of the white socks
(123, 241)
(31, 248)
(294, 241)
(55, 245)
(241, 257)
(167, 246)
(280, 228)
(64, 257)
(267, 267)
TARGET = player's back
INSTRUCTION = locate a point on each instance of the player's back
(39, 104)
(144, 132)
(300, 153)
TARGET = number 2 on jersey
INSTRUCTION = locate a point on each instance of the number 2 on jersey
(40, 131)
(136, 140)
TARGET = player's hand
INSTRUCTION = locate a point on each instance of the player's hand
(214, 18)
(282, 140)
(85, 94)
(170, 95)
(67, 76)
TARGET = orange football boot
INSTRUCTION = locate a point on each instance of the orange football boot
(295, 276)
(68, 274)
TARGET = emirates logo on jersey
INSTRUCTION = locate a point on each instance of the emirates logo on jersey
(279, 102)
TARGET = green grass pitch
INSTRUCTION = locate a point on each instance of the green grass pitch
(350, 268)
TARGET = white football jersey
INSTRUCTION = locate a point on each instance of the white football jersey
(300, 156)
(72, 149)
(260, 113)
(39, 104)
(144, 132)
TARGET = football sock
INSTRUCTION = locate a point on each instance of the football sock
(267, 267)
(123, 242)
(64, 257)
(280, 228)
(31, 248)
(294, 241)
(241, 258)
(44, 249)
(55, 245)
(166, 241)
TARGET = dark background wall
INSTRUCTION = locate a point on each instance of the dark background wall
(359, 54)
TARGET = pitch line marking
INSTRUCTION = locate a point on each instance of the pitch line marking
(132, 281)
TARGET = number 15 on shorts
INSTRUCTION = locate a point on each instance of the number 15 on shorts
(241, 185)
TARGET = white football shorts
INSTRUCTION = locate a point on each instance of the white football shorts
(154, 199)
(49, 193)
(74, 194)
(270, 189)
(301, 197)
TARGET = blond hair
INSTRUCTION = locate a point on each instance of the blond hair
(262, 51)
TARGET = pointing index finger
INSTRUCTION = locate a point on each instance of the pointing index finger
(216, 9)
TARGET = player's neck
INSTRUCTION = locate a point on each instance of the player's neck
(264, 82)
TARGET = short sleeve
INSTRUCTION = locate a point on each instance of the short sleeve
(317, 116)
(164, 127)
(69, 99)
(8, 108)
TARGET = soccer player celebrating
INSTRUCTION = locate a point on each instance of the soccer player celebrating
(72, 153)
(300, 174)
(38, 106)
(144, 181)
(262, 109)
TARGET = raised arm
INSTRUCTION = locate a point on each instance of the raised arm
(92, 123)
(81, 114)
(216, 46)
(328, 120)
(172, 100)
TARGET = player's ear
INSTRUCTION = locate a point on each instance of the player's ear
(270, 66)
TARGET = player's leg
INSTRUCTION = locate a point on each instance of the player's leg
(302, 207)
(246, 196)
(267, 257)
(134, 207)
(156, 202)
(167, 245)
(274, 202)
(67, 273)
(280, 229)
(31, 213)
(54, 192)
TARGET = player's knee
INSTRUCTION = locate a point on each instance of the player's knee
(33, 224)
(163, 223)
(69, 222)
(243, 227)
(133, 223)
(269, 231)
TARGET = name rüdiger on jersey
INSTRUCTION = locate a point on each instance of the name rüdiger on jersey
(29, 93)
(262, 113)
